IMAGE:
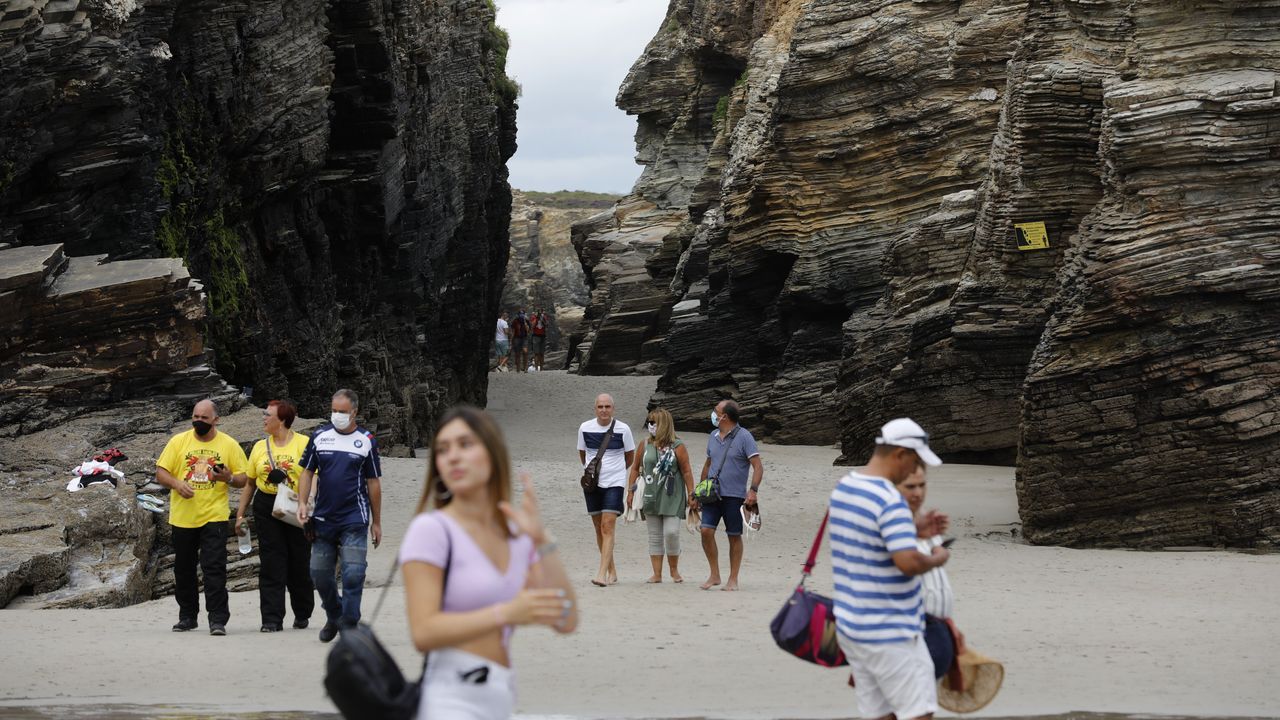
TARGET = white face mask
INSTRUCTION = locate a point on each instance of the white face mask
(715, 419)
(652, 428)
(340, 420)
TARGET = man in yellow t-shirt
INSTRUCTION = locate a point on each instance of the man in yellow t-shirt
(197, 466)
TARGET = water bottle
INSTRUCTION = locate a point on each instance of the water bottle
(246, 542)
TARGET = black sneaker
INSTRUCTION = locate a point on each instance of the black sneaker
(271, 628)
(185, 625)
(300, 624)
(218, 630)
(328, 632)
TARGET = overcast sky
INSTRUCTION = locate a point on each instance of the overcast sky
(570, 57)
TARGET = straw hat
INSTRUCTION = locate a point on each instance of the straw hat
(982, 679)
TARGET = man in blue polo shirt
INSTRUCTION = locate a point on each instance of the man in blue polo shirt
(348, 509)
(731, 456)
(879, 609)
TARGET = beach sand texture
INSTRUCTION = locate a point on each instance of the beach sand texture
(1111, 631)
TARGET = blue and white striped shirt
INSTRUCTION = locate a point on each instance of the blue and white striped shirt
(875, 602)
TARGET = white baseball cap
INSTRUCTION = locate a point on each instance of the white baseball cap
(905, 432)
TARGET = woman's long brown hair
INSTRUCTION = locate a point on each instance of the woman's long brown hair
(482, 424)
(665, 436)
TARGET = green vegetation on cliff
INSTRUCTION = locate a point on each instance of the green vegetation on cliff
(572, 199)
(497, 43)
(195, 227)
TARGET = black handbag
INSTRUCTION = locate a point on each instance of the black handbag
(362, 678)
(806, 624)
(591, 473)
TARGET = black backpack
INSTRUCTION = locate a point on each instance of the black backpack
(362, 678)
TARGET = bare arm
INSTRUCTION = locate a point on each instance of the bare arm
(629, 455)
(682, 457)
(375, 507)
(549, 573)
(757, 470)
(245, 498)
(432, 628)
(582, 458)
(634, 464)
(165, 478)
(914, 562)
(304, 495)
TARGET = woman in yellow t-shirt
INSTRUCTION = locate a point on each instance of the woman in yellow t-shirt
(284, 551)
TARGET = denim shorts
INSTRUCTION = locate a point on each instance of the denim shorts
(604, 500)
(730, 510)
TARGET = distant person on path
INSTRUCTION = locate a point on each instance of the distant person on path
(475, 567)
(731, 456)
(604, 504)
(284, 553)
(664, 460)
(197, 466)
(348, 509)
(538, 337)
(520, 340)
(935, 586)
(502, 341)
(879, 614)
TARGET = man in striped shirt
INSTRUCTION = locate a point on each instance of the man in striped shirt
(879, 613)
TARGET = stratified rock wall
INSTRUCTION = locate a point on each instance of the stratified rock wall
(861, 241)
(333, 172)
(1151, 414)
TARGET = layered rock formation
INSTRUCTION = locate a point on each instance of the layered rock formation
(83, 333)
(1045, 230)
(333, 172)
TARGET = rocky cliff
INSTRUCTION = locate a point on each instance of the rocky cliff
(1044, 229)
(544, 269)
(333, 172)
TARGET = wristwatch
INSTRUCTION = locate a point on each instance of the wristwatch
(755, 489)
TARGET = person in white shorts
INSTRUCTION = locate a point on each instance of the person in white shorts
(876, 563)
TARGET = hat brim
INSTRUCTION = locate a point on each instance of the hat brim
(928, 456)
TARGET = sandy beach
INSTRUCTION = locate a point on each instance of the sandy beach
(1187, 633)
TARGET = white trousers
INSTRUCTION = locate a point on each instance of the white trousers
(462, 686)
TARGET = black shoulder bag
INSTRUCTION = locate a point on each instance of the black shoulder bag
(362, 678)
(591, 474)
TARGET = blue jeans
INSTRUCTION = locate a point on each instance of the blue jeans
(350, 544)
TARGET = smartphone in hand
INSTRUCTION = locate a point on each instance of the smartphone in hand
(947, 542)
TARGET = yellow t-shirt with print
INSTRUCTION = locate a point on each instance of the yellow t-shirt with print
(191, 460)
(287, 459)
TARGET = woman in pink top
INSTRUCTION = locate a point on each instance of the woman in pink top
(502, 568)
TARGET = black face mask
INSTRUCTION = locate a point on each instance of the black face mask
(202, 427)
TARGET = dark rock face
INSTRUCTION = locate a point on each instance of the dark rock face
(333, 172)
(861, 243)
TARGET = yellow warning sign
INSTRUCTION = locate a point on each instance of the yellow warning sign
(1032, 236)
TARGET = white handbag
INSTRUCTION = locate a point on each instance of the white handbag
(285, 508)
(633, 511)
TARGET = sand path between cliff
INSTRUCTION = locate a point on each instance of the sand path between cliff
(1100, 630)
